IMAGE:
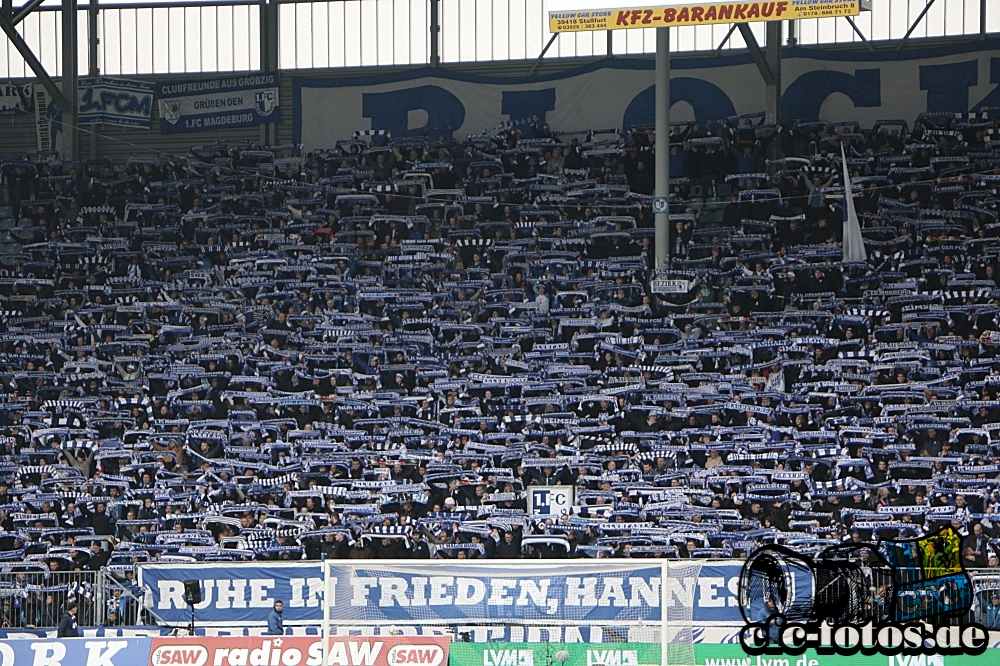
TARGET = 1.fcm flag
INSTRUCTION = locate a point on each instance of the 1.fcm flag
(854, 243)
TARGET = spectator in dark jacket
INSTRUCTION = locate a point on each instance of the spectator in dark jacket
(275, 622)
(98, 557)
(67, 625)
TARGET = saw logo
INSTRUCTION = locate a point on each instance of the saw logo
(612, 657)
(415, 655)
(508, 658)
(188, 655)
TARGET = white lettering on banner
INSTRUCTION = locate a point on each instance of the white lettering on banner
(734, 591)
(681, 591)
(353, 653)
(612, 657)
(581, 592)
(361, 585)
(650, 592)
(393, 588)
(508, 657)
(439, 589)
(539, 594)
(188, 655)
(48, 654)
(419, 585)
(424, 655)
(100, 652)
(613, 590)
(171, 594)
(470, 591)
(916, 660)
(312, 599)
(231, 591)
(258, 592)
(669, 286)
(708, 595)
(6, 655)
(499, 596)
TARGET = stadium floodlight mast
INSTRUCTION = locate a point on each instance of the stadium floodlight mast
(592, 15)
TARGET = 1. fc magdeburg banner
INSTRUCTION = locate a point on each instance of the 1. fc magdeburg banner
(208, 104)
(121, 102)
(831, 85)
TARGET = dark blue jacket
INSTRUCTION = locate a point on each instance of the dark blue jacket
(275, 624)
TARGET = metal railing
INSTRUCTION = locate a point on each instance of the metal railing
(32, 597)
(224, 35)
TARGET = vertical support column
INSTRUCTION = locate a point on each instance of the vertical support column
(772, 54)
(435, 28)
(93, 69)
(8, 8)
(70, 72)
(268, 17)
(982, 19)
(793, 37)
(611, 45)
(661, 244)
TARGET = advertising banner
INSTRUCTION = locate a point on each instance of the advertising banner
(115, 102)
(299, 651)
(234, 593)
(235, 101)
(75, 652)
(15, 99)
(645, 654)
(819, 84)
(580, 15)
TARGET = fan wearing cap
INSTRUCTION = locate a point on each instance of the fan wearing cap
(67, 625)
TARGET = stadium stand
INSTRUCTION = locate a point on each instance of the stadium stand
(372, 350)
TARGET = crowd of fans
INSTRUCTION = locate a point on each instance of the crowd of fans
(373, 350)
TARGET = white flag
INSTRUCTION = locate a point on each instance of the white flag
(854, 243)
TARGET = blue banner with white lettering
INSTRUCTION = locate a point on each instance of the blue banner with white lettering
(207, 104)
(820, 84)
(233, 593)
(115, 102)
(416, 592)
(76, 652)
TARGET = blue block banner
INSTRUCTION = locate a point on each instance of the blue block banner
(414, 591)
(820, 84)
(115, 102)
(207, 104)
(233, 594)
(76, 652)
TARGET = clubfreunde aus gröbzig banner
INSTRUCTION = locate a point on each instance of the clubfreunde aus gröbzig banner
(218, 104)
(819, 84)
(415, 593)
